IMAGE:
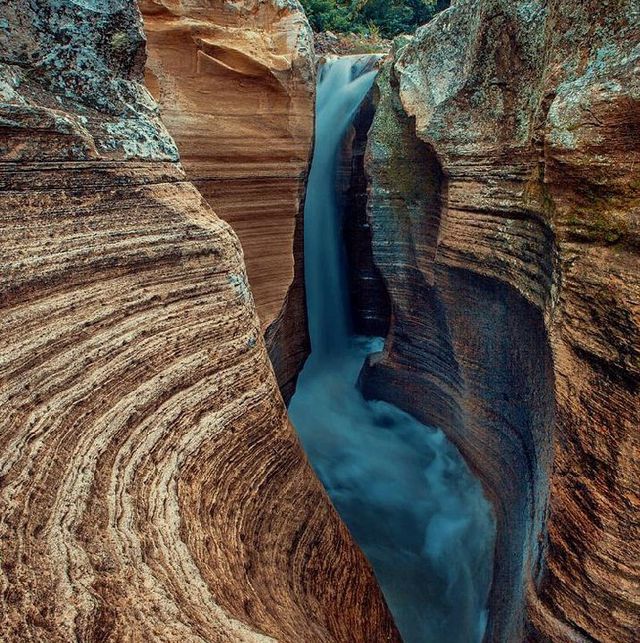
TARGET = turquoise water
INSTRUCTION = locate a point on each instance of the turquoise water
(401, 487)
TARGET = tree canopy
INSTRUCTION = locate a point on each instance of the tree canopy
(386, 18)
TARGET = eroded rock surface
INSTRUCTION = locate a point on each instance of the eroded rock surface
(369, 302)
(151, 487)
(504, 169)
(236, 84)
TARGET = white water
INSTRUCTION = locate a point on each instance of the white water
(402, 489)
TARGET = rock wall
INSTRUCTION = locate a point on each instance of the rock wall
(236, 86)
(368, 298)
(504, 201)
(151, 487)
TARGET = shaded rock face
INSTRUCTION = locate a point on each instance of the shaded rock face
(504, 176)
(150, 483)
(368, 297)
(236, 84)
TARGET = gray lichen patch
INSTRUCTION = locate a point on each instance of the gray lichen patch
(239, 283)
(83, 58)
(139, 138)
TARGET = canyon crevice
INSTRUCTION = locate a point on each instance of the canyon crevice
(236, 85)
(504, 203)
(369, 301)
(151, 486)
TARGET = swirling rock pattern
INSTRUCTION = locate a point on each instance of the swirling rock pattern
(505, 207)
(236, 85)
(151, 487)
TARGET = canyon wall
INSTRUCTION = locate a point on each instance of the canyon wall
(151, 486)
(368, 298)
(236, 86)
(504, 179)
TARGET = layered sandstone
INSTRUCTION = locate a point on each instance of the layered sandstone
(505, 207)
(235, 82)
(151, 487)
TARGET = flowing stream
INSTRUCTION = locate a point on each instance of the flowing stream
(402, 489)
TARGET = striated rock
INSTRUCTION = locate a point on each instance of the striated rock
(236, 84)
(369, 302)
(505, 206)
(151, 487)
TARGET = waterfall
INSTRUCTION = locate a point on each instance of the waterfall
(342, 84)
(401, 488)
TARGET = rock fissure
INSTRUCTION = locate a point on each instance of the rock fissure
(508, 301)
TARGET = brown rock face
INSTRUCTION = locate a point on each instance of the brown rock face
(151, 487)
(236, 85)
(505, 206)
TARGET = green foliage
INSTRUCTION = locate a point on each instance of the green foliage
(327, 15)
(386, 18)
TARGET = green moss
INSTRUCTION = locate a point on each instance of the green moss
(407, 166)
(406, 174)
(597, 225)
(120, 41)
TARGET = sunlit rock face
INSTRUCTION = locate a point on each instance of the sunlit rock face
(151, 487)
(236, 84)
(504, 202)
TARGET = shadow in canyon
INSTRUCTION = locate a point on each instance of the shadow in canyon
(403, 490)
(465, 350)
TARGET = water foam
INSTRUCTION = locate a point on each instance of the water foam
(402, 489)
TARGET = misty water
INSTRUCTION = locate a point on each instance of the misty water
(401, 487)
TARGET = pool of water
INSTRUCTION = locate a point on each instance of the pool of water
(401, 487)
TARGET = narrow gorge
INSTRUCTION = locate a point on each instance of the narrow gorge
(430, 254)
(401, 488)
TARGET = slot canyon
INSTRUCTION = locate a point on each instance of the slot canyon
(425, 259)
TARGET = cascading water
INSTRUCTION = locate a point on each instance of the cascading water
(402, 489)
